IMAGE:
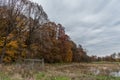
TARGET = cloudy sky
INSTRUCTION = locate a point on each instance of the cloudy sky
(93, 23)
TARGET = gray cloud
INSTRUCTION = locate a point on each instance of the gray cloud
(93, 23)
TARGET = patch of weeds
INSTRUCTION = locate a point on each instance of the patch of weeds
(107, 78)
(60, 78)
(4, 76)
(39, 76)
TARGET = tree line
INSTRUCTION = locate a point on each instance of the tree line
(26, 32)
(115, 57)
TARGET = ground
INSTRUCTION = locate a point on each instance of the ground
(61, 71)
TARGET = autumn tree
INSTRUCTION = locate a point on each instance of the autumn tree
(11, 12)
(37, 17)
(80, 55)
(46, 38)
(18, 21)
(26, 32)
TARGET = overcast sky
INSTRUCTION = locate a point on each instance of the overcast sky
(95, 24)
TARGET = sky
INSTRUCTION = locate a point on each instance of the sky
(95, 24)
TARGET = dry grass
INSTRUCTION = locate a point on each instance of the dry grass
(70, 71)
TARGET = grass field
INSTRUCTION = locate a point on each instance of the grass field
(68, 71)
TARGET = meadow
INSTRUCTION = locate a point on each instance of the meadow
(62, 71)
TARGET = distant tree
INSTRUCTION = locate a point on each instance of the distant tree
(113, 55)
(119, 55)
(80, 55)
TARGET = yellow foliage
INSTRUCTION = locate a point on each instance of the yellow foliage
(24, 46)
(13, 44)
(10, 53)
(34, 46)
(7, 59)
(69, 56)
(1, 41)
(18, 18)
(23, 53)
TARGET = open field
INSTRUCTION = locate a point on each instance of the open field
(68, 71)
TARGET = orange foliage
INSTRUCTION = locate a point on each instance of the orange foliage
(23, 36)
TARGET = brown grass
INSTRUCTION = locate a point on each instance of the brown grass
(75, 71)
